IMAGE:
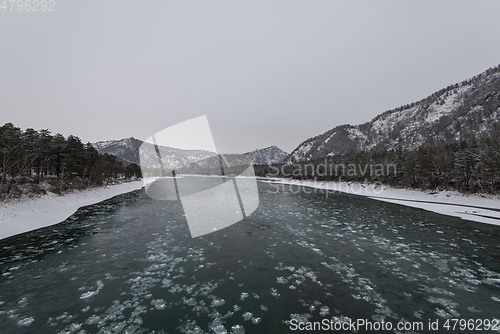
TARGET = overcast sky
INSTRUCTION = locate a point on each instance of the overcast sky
(264, 72)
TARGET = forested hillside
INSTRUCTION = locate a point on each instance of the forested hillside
(35, 162)
(467, 166)
(469, 110)
(449, 140)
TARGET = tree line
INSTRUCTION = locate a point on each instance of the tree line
(34, 162)
(468, 166)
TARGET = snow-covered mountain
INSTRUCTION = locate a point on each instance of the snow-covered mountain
(267, 156)
(171, 158)
(470, 109)
(127, 151)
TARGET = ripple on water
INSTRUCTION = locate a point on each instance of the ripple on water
(181, 268)
(324, 311)
(298, 317)
(274, 293)
(159, 304)
(247, 316)
(72, 328)
(25, 321)
(238, 329)
(89, 294)
(216, 302)
(437, 290)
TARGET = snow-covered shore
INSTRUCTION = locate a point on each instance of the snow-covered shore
(483, 209)
(29, 214)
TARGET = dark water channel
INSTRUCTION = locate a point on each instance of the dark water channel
(129, 265)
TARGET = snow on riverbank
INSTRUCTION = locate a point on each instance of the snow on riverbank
(483, 209)
(30, 214)
(33, 213)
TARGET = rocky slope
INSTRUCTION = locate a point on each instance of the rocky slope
(466, 110)
(127, 151)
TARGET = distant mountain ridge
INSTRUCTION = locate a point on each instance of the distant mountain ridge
(127, 151)
(211, 165)
(466, 110)
(267, 156)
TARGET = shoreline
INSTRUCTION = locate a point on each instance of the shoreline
(28, 214)
(477, 208)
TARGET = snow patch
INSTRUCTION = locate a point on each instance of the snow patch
(29, 214)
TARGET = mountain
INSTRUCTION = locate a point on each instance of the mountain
(171, 158)
(127, 151)
(466, 110)
(231, 162)
(267, 156)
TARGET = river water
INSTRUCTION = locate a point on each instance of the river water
(129, 265)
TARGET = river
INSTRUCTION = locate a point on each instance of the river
(129, 265)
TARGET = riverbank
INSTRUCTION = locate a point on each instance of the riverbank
(27, 214)
(19, 216)
(478, 208)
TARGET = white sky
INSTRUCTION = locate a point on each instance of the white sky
(264, 72)
(193, 134)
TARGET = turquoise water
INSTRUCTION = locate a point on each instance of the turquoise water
(129, 265)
